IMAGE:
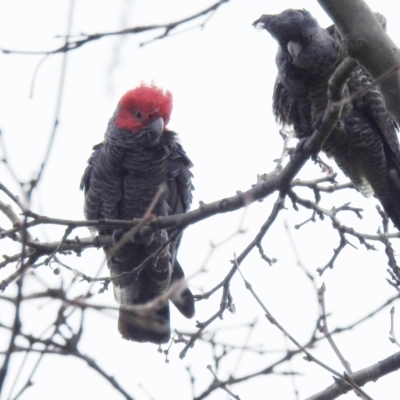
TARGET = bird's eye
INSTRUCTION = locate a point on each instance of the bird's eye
(138, 114)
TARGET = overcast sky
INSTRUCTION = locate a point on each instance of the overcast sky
(221, 77)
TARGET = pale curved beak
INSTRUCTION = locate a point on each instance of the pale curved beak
(157, 126)
(294, 49)
(154, 132)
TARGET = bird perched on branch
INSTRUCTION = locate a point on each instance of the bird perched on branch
(364, 142)
(138, 156)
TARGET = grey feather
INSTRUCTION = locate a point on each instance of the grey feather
(364, 142)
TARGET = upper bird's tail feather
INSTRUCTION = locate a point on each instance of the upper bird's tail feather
(182, 298)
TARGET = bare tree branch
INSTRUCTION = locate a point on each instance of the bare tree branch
(86, 38)
(368, 43)
(369, 374)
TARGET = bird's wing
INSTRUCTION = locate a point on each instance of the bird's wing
(179, 186)
(102, 182)
(290, 110)
(85, 181)
(388, 128)
(179, 180)
(92, 208)
(373, 143)
(180, 196)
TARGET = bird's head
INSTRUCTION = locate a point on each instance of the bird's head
(301, 38)
(144, 112)
(289, 26)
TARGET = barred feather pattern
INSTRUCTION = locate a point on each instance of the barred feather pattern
(123, 176)
(364, 142)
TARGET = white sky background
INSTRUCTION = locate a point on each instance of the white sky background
(221, 78)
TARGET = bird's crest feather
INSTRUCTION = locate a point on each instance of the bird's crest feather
(141, 106)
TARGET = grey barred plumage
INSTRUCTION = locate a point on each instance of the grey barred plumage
(364, 142)
(124, 174)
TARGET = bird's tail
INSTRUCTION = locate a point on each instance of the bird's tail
(182, 297)
(144, 324)
(144, 313)
(148, 320)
